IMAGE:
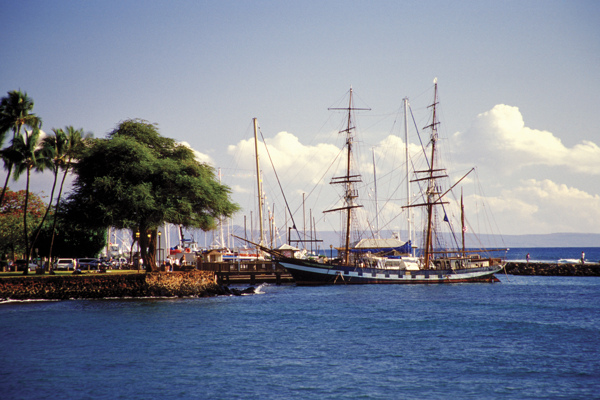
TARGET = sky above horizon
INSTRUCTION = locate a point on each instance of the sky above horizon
(518, 91)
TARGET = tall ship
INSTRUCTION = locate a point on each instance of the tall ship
(386, 261)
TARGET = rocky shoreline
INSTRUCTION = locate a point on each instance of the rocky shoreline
(97, 286)
(193, 283)
(552, 269)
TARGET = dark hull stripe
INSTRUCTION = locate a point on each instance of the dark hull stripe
(308, 273)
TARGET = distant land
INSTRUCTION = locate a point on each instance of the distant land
(554, 240)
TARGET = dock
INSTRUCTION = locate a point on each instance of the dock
(247, 272)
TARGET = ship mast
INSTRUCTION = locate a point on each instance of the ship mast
(259, 183)
(462, 222)
(348, 180)
(431, 185)
(221, 239)
(408, 219)
(433, 196)
(376, 204)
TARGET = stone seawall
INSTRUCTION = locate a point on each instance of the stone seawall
(172, 284)
(553, 269)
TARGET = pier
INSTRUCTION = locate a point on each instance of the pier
(552, 269)
(252, 272)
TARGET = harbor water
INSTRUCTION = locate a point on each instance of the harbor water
(554, 254)
(524, 338)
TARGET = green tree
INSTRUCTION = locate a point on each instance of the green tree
(31, 157)
(11, 221)
(138, 179)
(63, 149)
(71, 237)
(15, 113)
(54, 148)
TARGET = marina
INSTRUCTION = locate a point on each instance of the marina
(377, 237)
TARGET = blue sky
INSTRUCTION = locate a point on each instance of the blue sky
(519, 86)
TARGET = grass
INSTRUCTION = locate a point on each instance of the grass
(65, 273)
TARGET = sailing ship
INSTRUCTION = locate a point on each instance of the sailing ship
(365, 264)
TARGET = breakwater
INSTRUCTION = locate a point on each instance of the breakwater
(174, 284)
(552, 269)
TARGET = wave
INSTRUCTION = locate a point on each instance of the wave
(10, 301)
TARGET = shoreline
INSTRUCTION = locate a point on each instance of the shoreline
(193, 283)
(100, 286)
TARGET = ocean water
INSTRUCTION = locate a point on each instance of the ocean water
(554, 254)
(523, 338)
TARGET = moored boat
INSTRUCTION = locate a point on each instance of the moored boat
(306, 272)
(368, 265)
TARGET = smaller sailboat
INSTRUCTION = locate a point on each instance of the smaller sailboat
(366, 263)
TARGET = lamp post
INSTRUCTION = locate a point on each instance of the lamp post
(148, 247)
(137, 238)
(159, 249)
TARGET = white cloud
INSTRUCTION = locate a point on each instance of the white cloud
(500, 138)
(544, 207)
(501, 145)
(308, 169)
(293, 160)
(200, 157)
(240, 189)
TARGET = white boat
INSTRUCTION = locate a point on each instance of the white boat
(186, 246)
(360, 264)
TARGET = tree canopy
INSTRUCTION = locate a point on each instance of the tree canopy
(15, 113)
(138, 179)
(11, 221)
(29, 152)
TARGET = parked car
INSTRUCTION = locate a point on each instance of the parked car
(88, 263)
(64, 264)
(118, 262)
(21, 265)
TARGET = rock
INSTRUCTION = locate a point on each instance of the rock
(237, 292)
(249, 290)
(226, 290)
(197, 283)
(552, 269)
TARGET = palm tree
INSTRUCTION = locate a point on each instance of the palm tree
(30, 157)
(53, 149)
(74, 145)
(15, 112)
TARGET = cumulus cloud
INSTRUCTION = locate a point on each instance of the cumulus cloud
(304, 164)
(308, 169)
(544, 206)
(390, 153)
(500, 138)
(200, 157)
(240, 189)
